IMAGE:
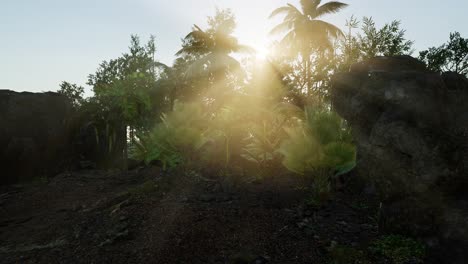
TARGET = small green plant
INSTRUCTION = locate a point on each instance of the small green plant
(399, 249)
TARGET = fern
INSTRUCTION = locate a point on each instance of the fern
(176, 139)
(317, 146)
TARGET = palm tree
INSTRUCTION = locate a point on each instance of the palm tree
(211, 49)
(305, 32)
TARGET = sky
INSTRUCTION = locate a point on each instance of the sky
(45, 42)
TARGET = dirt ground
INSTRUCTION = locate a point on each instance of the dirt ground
(145, 216)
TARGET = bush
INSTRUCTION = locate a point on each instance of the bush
(317, 147)
(320, 141)
(265, 133)
(399, 249)
(176, 139)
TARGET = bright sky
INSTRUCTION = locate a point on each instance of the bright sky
(44, 42)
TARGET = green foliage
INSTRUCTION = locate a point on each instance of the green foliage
(386, 41)
(125, 87)
(390, 40)
(209, 51)
(301, 151)
(399, 249)
(326, 126)
(130, 98)
(126, 98)
(302, 27)
(317, 147)
(266, 132)
(263, 143)
(451, 56)
(153, 147)
(176, 139)
(306, 46)
(322, 140)
(73, 92)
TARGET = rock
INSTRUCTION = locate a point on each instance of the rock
(35, 135)
(409, 124)
(411, 130)
(413, 216)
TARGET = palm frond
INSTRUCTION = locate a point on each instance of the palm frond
(309, 7)
(332, 30)
(188, 50)
(197, 68)
(294, 9)
(330, 8)
(219, 61)
(197, 33)
(197, 27)
(161, 65)
(281, 28)
(288, 39)
(280, 10)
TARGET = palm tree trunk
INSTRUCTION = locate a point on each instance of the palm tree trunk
(308, 74)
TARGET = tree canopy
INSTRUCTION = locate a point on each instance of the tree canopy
(451, 56)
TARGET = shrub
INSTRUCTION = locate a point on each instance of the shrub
(320, 141)
(265, 133)
(317, 147)
(176, 139)
(399, 249)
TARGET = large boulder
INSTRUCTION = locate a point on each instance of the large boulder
(411, 131)
(35, 136)
(410, 124)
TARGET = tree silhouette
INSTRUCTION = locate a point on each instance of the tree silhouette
(305, 33)
(211, 49)
(452, 56)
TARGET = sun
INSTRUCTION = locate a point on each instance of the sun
(261, 52)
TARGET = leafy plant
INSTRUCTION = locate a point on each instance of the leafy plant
(452, 56)
(265, 134)
(322, 140)
(317, 147)
(176, 139)
(154, 147)
(387, 41)
(399, 249)
(73, 92)
(302, 152)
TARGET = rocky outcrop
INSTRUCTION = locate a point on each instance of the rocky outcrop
(411, 131)
(35, 136)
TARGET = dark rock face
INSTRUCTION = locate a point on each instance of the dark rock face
(411, 131)
(34, 135)
(411, 125)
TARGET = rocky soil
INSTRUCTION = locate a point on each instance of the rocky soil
(145, 216)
